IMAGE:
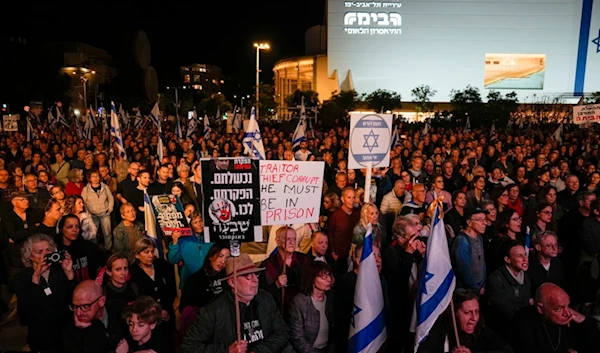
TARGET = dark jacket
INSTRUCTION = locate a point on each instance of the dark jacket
(44, 307)
(486, 341)
(95, 338)
(87, 258)
(162, 288)
(214, 329)
(505, 297)
(538, 274)
(17, 231)
(274, 268)
(305, 322)
(201, 288)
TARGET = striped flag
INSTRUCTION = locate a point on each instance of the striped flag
(150, 224)
(155, 115)
(115, 130)
(253, 143)
(437, 281)
(367, 325)
(92, 118)
(192, 123)
(394, 137)
(300, 133)
(207, 128)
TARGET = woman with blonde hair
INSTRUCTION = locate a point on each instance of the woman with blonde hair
(369, 214)
(75, 184)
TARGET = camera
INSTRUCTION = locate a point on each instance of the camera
(56, 257)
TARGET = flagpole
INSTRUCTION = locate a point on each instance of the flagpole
(234, 248)
(454, 322)
(283, 273)
(368, 182)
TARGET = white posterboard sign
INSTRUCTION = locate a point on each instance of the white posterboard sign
(10, 122)
(370, 140)
(589, 113)
(290, 191)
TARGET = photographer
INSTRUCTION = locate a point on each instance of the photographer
(43, 292)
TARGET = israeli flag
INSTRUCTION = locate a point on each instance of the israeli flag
(30, 131)
(115, 130)
(207, 128)
(253, 143)
(468, 125)
(367, 325)
(150, 224)
(87, 128)
(191, 128)
(426, 128)
(155, 115)
(92, 119)
(395, 137)
(61, 118)
(139, 121)
(437, 280)
(300, 133)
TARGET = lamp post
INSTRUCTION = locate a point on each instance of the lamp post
(259, 47)
(84, 80)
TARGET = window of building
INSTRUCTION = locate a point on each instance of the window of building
(186, 78)
(196, 78)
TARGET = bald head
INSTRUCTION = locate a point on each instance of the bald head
(87, 289)
(549, 292)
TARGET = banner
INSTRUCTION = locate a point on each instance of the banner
(10, 122)
(290, 192)
(589, 113)
(231, 199)
(169, 215)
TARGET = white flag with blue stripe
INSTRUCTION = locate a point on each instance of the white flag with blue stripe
(394, 137)
(300, 133)
(150, 224)
(115, 130)
(92, 118)
(207, 128)
(253, 143)
(192, 123)
(367, 324)
(155, 115)
(437, 281)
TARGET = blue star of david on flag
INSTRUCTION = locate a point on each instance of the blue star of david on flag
(368, 136)
(428, 276)
(355, 311)
(597, 42)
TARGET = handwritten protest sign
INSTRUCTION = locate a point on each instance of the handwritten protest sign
(290, 191)
(231, 199)
(589, 113)
(169, 214)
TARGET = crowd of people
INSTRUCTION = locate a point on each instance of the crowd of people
(521, 216)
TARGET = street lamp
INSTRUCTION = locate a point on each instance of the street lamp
(259, 47)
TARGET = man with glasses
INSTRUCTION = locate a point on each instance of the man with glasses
(96, 326)
(261, 324)
(39, 197)
(467, 252)
(544, 264)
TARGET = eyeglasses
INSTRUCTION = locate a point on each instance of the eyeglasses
(478, 219)
(84, 307)
(250, 276)
(516, 219)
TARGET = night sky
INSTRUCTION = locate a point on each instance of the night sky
(212, 32)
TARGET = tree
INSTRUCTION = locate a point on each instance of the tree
(382, 98)
(311, 99)
(465, 102)
(210, 105)
(422, 98)
(594, 99)
(500, 108)
(266, 100)
(337, 107)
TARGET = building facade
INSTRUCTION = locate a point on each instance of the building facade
(203, 77)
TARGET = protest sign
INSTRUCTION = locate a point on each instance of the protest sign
(290, 191)
(589, 113)
(169, 214)
(11, 122)
(231, 199)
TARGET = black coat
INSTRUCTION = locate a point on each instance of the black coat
(44, 307)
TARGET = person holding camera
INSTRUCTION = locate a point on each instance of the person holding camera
(44, 288)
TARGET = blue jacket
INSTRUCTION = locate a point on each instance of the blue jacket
(192, 251)
(470, 271)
